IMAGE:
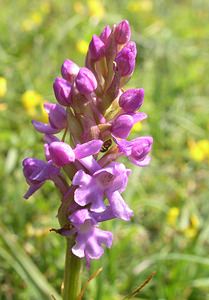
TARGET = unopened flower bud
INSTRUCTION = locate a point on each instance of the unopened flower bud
(96, 48)
(122, 125)
(131, 100)
(85, 81)
(105, 34)
(62, 91)
(132, 47)
(69, 70)
(122, 32)
(61, 153)
(125, 60)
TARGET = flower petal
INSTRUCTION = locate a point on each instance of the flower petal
(87, 149)
(119, 207)
(44, 128)
(32, 189)
(90, 194)
(81, 178)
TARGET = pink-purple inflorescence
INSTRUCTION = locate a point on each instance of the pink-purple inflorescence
(93, 119)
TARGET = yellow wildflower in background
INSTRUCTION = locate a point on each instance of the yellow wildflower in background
(82, 46)
(193, 227)
(32, 22)
(96, 9)
(172, 216)
(3, 87)
(33, 104)
(199, 151)
(35, 18)
(31, 99)
(190, 226)
(140, 5)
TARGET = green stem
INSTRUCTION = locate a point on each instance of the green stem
(72, 283)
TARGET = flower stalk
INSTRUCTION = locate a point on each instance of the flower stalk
(72, 275)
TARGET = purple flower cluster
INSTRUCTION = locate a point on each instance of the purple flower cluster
(93, 119)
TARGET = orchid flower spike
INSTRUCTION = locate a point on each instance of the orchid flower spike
(93, 118)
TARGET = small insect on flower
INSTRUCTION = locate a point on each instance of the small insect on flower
(106, 145)
(199, 150)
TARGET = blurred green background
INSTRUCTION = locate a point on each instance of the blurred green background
(170, 230)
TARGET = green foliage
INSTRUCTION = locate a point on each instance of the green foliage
(172, 67)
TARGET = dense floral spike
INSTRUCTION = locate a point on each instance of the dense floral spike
(97, 116)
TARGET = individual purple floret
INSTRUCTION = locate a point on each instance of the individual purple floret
(122, 32)
(57, 119)
(131, 100)
(105, 34)
(96, 48)
(62, 90)
(36, 172)
(93, 120)
(122, 125)
(85, 81)
(89, 238)
(62, 153)
(69, 70)
(125, 60)
(109, 182)
(137, 150)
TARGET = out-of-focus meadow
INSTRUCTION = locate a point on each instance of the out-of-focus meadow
(170, 231)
